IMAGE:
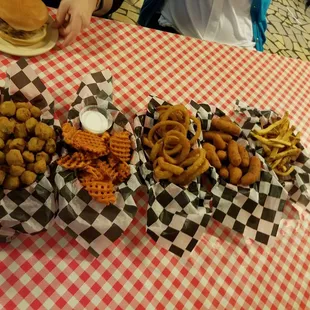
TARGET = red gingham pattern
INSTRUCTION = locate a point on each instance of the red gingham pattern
(225, 271)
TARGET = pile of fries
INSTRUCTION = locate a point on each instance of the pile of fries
(280, 145)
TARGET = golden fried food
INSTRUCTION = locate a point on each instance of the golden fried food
(43, 131)
(253, 174)
(233, 153)
(279, 144)
(7, 146)
(101, 191)
(88, 142)
(11, 182)
(2, 144)
(35, 112)
(7, 108)
(35, 144)
(6, 126)
(123, 170)
(2, 158)
(43, 155)
(40, 166)
(16, 171)
(30, 167)
(20, 131)
(23, 114)
(31, 124)
(14, 157)
(106, 170)
(50, 146)
(226, 126)
(75, 161)
(4, 136)
(26, 105)
(120, 146)
(18, 144)
(28, 177)
(28, 157)
(112, 160)
(2, 176)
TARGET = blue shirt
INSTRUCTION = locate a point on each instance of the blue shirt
(258, 15)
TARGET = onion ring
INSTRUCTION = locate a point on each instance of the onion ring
(146, 142)
(156, 149)
(174, 109)
(175, 150)
(172, 140)
(184, 151)
(161, 175)
(169, 167)
(191, 158)
(198, 130)
(161, 124)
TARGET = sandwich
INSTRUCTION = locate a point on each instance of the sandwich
(23, 22)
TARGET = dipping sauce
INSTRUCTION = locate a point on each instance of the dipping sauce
(94, 121)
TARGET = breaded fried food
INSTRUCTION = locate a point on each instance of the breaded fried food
(50, 146)
(8, 108)
(20, 130)
(7, 146)
(35, 112)
(2, 158)
(28, 177)
(14, 157)
(16, 171)
(2, 144)
(31, 124)
(44, 156)
(6, 126)
(18, 144)
(28, 157)
(30, 167)
(11, 182)
(2, 176)
(35, 144)
(40, 166)
(26, 105)
(3, 136)
(120, 146)
(43, 131)
(23, 114)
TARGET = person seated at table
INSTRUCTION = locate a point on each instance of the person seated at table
(73, 16)
(235, 22)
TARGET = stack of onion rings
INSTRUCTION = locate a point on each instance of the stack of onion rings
(171, 151)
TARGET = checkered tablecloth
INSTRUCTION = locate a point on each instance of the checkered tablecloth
(225, 271)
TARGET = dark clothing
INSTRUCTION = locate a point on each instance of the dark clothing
(116, 5)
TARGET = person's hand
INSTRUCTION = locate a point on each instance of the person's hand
(73, 17)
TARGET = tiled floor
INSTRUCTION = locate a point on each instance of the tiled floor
(288, 31)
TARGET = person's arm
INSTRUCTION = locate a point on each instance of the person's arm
(107, 7)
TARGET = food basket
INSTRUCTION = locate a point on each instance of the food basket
(95, 225)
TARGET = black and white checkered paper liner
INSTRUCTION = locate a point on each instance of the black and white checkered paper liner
(94, 225)
(32, 209)
(254, 211)
(298, 186)
(176, 216)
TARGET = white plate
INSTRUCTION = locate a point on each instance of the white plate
(33, 50)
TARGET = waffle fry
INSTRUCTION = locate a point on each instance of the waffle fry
(101, 191)
(68, 132)
(120, 146)
(94, 172)
(112, 160)
(70, 163)
(107, 171)
(123, 170)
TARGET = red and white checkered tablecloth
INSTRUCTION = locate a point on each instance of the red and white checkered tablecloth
(225, 271)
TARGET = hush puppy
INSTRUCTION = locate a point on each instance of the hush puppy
(3, 136)
(2, 158)
(7, 146)
(26, 105)
(18, 144)
(31, 124)
(11, 182)
(20, 131)
(43, 155)
(30, 167)
(14, 157)
(35, 112)
(43, 131)
(35, 144)
(16, 171)
(40, 166)
(23, 114)
(28, 157)
(6, 126)
(2, 144)
(8, 108)
(50, 146)
(2, 176)
(28, 177)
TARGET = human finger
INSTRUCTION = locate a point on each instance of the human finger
(62, 14)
